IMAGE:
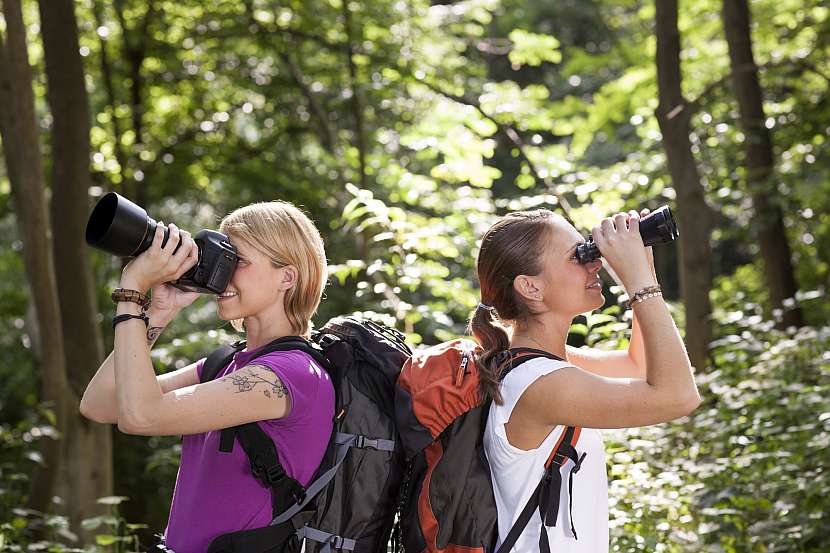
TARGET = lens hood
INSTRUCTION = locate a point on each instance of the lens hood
(120, 227)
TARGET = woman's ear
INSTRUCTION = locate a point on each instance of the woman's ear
(528, 288)
(289, 277)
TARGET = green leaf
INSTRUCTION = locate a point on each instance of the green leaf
(106, 539)
(533, 49)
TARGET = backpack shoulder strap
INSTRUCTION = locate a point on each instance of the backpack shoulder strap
(265, 464)
(258, 446)
(291, 343)
(218, 359)
(545, 497)
(519, 356)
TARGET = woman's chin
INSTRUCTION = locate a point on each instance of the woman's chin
(225, 314)
(598, 302)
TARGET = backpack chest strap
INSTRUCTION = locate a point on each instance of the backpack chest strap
(329, 541)
(344, 443)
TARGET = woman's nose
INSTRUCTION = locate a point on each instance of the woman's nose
(594, 266)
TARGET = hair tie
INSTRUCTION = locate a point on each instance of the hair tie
(485, 306)
(502, 358)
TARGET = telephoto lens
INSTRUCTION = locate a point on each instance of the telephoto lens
(120, 227)
(658, 227)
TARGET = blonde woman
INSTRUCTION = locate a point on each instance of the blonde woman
(274, 292)
(532, 287)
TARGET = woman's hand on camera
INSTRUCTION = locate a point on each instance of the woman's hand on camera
(167, 301)
(619, 240)
(158, 264)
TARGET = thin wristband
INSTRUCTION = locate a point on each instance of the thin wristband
(642, 293)
(643, 298)
(127, 316)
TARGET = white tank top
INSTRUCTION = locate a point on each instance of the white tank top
(517, 472)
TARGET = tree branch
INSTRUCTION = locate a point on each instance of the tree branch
(513, 136)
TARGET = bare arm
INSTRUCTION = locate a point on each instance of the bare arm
(98, 402)
(630, 363)
(250, 394)
(575, 397)
(143, 404)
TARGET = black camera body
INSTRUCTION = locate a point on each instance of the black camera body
(120, 227)
(217, 262)
(658, 227)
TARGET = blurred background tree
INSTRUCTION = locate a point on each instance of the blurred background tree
(404, 128)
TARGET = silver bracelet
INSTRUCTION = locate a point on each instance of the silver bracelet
(643, 294)
(644, 297)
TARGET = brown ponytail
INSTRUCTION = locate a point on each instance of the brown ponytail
(511, 247)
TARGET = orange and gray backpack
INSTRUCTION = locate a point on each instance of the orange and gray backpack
(447, 504)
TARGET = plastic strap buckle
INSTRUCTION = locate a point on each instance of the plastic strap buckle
(271, 475)
(327, 340)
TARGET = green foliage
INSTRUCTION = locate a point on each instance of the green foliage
(405, 129)
(746, 471)
(533, 48)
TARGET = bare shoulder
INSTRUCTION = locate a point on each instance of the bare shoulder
(576, 397)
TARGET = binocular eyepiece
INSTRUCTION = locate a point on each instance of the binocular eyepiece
(658, 227)
(120, 227)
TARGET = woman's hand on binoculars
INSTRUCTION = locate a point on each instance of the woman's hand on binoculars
(649, 249)
(158, 264)
(619, 240)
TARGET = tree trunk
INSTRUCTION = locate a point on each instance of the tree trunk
(693, 214)
(135, 52)
(356, 100)
(87, 450)
(22, 151)
(768, 220)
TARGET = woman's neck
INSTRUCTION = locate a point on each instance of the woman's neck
(546, 333)
(259, 333)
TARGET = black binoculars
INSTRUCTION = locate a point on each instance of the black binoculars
(658, 227)
(120, 227)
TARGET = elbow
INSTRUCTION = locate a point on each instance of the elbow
(693, 402)
(88, 410)
(685, 406)
(137, 425)
(85, 409)
(131, 427)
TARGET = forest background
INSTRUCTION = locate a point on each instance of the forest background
(405, 128)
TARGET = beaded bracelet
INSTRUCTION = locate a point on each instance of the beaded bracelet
(644, 294)
(134, 296)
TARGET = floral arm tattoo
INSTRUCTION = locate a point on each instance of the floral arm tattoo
(246, 379)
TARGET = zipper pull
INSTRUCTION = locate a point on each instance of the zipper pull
(462, 368)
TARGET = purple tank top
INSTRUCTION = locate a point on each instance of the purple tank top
(215, 492)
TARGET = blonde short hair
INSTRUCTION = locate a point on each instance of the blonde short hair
(286, 236)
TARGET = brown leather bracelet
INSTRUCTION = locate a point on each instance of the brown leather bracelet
(134, 296)
(127, 316)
